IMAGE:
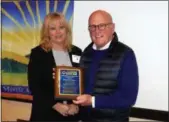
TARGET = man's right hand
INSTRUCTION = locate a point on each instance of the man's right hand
(61, 108)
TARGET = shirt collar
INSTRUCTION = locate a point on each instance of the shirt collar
(102, 48)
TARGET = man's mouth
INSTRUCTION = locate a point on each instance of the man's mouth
(99, 36)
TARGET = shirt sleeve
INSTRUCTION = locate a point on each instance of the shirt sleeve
(93, 102)
(126, 93)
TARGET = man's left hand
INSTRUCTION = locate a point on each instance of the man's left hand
(84, 100)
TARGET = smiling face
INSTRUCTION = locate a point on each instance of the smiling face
(101, 28)
(57, 31)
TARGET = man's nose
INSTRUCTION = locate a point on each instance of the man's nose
(97, 29)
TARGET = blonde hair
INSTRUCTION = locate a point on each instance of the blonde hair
(44, 35)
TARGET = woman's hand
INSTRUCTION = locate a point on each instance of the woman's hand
(61, 108)
(73, 109)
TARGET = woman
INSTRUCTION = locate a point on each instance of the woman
(55, 49)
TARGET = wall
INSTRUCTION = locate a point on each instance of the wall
(144, 27)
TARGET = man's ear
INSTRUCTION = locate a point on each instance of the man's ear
(113, 26)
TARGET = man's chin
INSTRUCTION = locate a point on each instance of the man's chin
(99, 43)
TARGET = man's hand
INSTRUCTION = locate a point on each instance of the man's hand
(84, 100)
(73, 109)
(61, 108)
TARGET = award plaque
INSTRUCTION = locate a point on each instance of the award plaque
(68, 82)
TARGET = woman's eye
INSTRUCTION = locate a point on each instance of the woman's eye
(52, 28)
(61, 27)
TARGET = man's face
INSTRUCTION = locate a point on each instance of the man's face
(101, 29)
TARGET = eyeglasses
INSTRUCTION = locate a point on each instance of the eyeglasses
(100, 26)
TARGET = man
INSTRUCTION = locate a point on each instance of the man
(110, 72)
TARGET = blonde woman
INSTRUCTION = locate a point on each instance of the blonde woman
(55, 49)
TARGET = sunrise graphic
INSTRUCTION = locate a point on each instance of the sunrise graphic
(20, 31)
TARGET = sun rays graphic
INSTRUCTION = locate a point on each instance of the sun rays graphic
(22, 20)
(21, 24)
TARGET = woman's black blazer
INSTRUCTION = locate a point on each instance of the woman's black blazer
(41, 84)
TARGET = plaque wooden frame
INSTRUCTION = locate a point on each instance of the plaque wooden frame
(57, 82)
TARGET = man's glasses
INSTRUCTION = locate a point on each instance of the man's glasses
(100, 26)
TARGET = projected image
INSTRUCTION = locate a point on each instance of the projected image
(21, 24)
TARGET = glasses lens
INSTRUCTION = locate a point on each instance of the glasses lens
(101, 26)
(92, 28)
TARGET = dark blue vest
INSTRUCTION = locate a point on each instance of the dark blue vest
(106, 79)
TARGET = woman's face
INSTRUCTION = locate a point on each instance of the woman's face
(57, 32)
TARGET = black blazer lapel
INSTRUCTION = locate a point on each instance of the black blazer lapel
(51, 59)
(70, 56)
(73, 63)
